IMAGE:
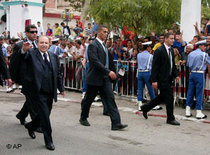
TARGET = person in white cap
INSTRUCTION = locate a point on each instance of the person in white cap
(144, 72)
(197, 61)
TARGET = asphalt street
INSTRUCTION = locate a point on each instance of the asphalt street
(142, 137)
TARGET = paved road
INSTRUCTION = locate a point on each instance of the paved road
(142, 137)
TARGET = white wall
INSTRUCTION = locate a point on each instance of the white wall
(16, 21)
(190, 13)
(36, 14)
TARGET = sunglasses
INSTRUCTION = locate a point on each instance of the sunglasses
(32, 31)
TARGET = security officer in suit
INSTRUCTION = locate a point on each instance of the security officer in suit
(99, 76)
(42, 78)
(17, 69)
(162, 75)
(197, 62)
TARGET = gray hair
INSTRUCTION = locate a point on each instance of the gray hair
(190, 45)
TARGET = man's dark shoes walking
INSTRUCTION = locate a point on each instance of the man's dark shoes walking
(39, 130)
(84, 122)
(119, 126)
(22, 120)
(144, 113)
(173, 122)
(30, 132)
(50, 146)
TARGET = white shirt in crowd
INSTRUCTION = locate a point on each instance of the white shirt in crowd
(40, 31)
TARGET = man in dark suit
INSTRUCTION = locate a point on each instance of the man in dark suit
(42, 78)
(17, 69)
(4, 70)
(163, 73)
(99, 76)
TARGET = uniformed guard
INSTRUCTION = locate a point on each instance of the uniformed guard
(56, 49)
(197, 61)
(144, 60)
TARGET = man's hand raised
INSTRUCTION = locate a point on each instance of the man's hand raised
(26, 46)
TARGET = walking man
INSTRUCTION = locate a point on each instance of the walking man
(40, 85)
(99, 76)
(17, 69)
(162, 75)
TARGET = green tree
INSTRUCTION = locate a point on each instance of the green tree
(205, 8)
(140, 16)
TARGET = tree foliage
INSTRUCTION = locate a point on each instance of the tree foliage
(138, 15)
(205, 8)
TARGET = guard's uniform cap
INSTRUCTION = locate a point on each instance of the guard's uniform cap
(146, 44)
(202, 42)
(55, 40)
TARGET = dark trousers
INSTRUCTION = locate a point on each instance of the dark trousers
(23, 113)
(166, 96)
(107, 95)
(43, 105)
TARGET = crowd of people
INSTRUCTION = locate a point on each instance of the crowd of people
(128, 63)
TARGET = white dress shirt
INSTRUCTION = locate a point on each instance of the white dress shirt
(169, 55)
(48, 58)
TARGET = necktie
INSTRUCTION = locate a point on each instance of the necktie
(34, 46)
(107, 56)
(170, 59)
(46, 61)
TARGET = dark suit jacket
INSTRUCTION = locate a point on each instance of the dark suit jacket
(36, 72)
(161, 68)
(3, 67)
(97, 61)
(17, 66)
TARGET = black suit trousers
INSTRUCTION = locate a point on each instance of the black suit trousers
(43, 105)
(23, 113)
(107, 95)
(166, 96)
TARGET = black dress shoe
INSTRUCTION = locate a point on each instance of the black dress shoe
(39, 130)
(106, 114)
(50, 146)
(84, 122)
(173, 122)
(119, 126)
(144, 113)
(30, 132)
(22, 120)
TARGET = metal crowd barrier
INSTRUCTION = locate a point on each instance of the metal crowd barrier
(180, 89)
(127, 83)
(72, 74)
